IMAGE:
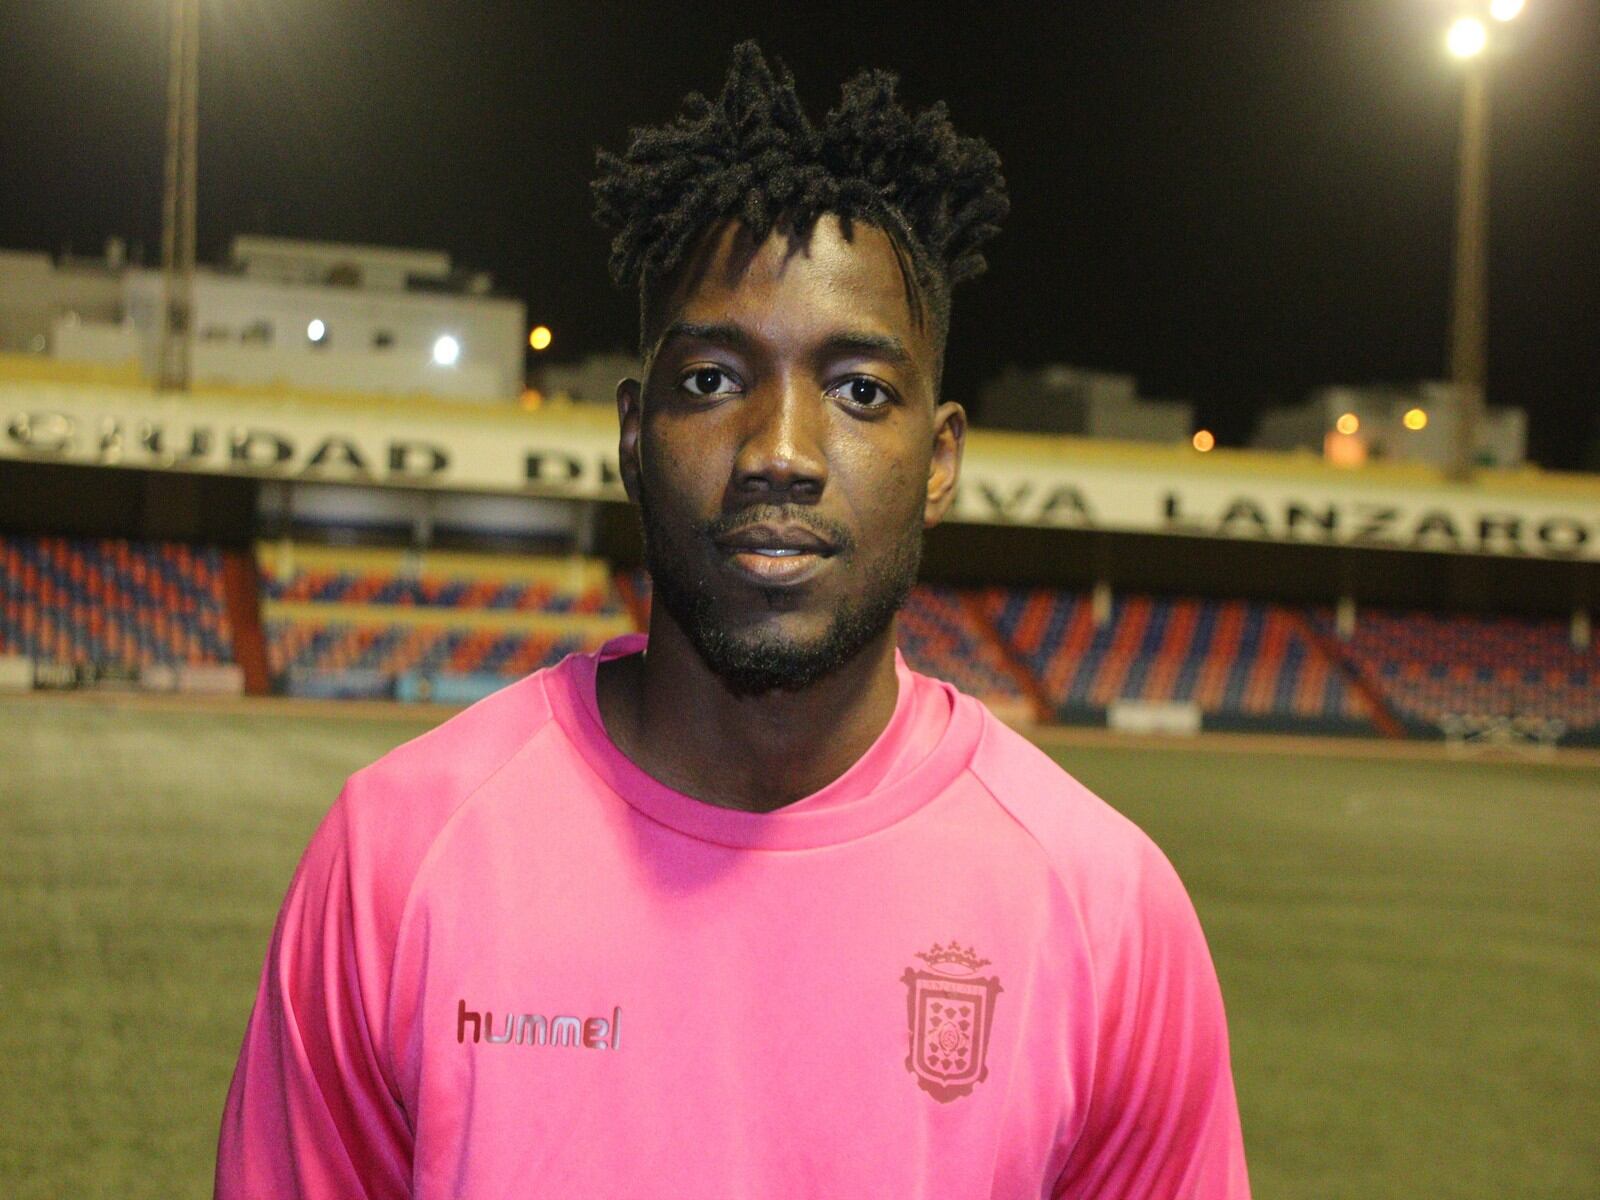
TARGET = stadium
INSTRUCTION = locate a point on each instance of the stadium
(1350, 689)
(240, 599)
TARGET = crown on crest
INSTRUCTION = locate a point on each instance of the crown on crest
(952, 955)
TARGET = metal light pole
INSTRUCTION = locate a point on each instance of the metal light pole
(1468, 40)
(178, 195)
(1469, 313)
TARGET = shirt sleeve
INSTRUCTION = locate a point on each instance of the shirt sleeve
(312, 1111)
(1163, 1121)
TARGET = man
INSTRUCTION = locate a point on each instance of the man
(747, 908)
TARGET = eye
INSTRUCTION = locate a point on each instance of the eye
(708, 381)
(862, 391)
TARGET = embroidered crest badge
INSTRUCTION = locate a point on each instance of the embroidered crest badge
(949, 1009)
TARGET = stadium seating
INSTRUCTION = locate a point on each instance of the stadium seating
(363, 621)
(943, 634)
(1432, 668)
(1238, 660)
(112, 604)
(344, 585)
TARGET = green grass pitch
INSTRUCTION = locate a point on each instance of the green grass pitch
(1410, 950)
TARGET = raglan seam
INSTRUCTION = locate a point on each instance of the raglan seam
(978, 774)
(425, 862)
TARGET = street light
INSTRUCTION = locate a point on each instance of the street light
(1467, 39)
(1467, 36)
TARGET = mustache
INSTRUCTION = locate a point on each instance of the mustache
(780, 514)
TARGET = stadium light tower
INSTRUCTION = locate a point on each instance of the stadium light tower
(1467, 40)
(178, 195)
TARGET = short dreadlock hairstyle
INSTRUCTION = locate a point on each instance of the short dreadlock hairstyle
(752, 155)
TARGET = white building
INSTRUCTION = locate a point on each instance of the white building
(307, 315)
(593, 380)
(1063, 399)
(1350, 425)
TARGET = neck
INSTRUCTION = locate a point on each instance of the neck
(679, 723)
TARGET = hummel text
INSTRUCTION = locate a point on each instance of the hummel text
(532, 1029)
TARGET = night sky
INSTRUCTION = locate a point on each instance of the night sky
(1235, 201)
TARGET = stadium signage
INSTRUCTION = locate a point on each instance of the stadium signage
(463, 449)
(43, 434)
(1364, 523)
(571, 452)
(1401, 521)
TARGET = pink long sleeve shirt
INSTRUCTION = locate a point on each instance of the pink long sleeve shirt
(511, 964)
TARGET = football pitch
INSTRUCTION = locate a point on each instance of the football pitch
(1409, 948)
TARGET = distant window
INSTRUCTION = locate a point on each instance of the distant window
(382, 339)
(257, 333)
(344, 275)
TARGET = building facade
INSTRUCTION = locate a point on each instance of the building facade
(304, 315)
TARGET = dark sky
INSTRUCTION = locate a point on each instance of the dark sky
(1235, 200)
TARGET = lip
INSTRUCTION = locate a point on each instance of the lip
(775, 555)
(772, 570)
(775, 537)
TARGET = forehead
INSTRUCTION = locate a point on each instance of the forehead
(787, 288)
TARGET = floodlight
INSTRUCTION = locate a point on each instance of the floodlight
(446, 350)
(1467, 37)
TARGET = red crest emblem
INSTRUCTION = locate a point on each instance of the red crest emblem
(949, 1009)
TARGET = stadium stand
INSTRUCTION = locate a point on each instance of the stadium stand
(354, 621)
(1241, 662)
(943, 634)
(111, 604)
(1434, 668)
(343, 621)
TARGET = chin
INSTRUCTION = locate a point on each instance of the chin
(783, 655)
(761, 640)
(798, 630)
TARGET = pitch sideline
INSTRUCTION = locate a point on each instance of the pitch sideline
(1045, 736)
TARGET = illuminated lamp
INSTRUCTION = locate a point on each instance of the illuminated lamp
(446, 350)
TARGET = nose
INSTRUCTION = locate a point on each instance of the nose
(781, 453)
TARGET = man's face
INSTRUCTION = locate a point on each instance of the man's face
(787, 450)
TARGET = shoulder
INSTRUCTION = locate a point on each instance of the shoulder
(1067, 819)
(391, 813)
(429, 775)
(1107, 863)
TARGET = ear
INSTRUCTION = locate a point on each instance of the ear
(629, 415)
(944, 470)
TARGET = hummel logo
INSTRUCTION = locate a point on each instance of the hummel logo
(532, 1029)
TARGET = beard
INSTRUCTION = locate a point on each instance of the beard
(753, 662)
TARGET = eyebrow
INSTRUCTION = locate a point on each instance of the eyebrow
(726, 335)
(844, 342)
(876, 345)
